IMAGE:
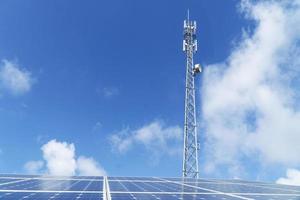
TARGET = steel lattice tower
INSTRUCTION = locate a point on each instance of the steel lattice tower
(190, 151)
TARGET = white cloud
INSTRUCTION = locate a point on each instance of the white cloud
(250, 107)
(14, 79)
(122, 141)
(292, 178)
(155, 137)
(34, 167)
(89, 167)
(60, 160)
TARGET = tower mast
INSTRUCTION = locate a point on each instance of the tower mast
(190, 151)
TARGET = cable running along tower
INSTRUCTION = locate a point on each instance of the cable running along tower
(190, 151)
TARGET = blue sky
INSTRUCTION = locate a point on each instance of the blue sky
(102, 75)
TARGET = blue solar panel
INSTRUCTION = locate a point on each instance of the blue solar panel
(46, 187)
(48, 195)
(139, 188)
(171, 196)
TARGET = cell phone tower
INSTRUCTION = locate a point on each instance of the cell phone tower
(190, 151)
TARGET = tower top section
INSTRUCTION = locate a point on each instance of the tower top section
(189, 32)
(190, 26)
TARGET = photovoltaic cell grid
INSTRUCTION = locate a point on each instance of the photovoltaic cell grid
(135, 188)
(45, 187)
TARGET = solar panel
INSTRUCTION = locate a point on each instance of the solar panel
(139, 188)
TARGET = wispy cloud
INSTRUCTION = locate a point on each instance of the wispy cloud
(250, 105)
(14, 79)
(88, 166)
(97, 127)
(59, 159)
(109, 92)
(34, 167)
(155, 137)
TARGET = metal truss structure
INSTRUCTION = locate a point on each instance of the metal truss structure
(190, 151)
